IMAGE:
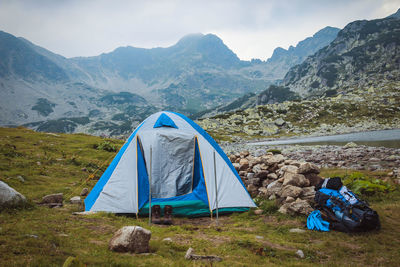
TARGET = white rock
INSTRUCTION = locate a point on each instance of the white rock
(9, 197)
(297, 230)
(300, 253)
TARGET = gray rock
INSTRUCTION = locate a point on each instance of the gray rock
(279, 122)
(272, 176)
(274, 188)
(259, 152)
(297, 230)
(21, 179)
(167, 239)
(299, 207)
(300, 254)
(133, 239)
(76, 200)
(308, 167)
(53, 199)
(84, 192)
(9, 197)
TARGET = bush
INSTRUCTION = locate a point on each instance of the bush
(364, 185)
(106, 146)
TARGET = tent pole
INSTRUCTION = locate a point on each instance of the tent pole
(216, 187)
(151, 155)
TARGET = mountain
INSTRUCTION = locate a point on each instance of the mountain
(282, 60)
(364, 53)
(113, 92)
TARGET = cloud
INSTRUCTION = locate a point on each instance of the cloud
(252, 28)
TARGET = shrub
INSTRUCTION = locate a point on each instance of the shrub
(106, 146)
(364, 185)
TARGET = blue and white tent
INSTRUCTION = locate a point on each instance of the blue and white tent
(182, 172)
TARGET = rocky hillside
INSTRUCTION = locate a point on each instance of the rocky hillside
(363, 54)
(361, 109)
(282, 60)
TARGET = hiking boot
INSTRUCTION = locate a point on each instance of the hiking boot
(156, 214)
(168, 215)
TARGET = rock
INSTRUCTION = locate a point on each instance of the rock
(308, 167)
(76, 200)
(295, 179)
(300, 254)
(258, 212)
(297, 230)
(289, 168)
(289, 200)
(167, 239)
(236, 165)
(299, 207)
(253, 190)
(263, 191)
(262, 175)
(250, 175)
(259, 237)
(313, 178)
(274, 188)
(21, 179)
(244, 154)
(308, 193)
(279, 122)
(191, 256)
(133, 239)
(84, 192)
(9, 197)
(53, 199)
(276, 159)
(291, 191)
(272, 197)
(255, 181)
(350, 145)
(259, 152)
(272, 176)
(244, 164)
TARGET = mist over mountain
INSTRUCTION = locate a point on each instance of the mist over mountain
(112, 92)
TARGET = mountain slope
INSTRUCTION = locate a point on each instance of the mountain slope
(364, 53)
(282, 60)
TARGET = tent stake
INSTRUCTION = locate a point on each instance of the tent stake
(216, 187)
(151, 154)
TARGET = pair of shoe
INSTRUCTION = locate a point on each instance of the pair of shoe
(156, 215)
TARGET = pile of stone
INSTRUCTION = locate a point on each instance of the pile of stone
(291, 183)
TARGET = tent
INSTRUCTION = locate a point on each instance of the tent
(177, 157)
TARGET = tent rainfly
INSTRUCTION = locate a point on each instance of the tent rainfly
(189, 171)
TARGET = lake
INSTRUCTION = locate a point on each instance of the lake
(385, 138)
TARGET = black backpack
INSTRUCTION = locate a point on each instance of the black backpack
(343, 210)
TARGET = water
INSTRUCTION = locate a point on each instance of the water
(385, 138)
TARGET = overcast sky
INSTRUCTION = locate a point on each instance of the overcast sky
(252, 29)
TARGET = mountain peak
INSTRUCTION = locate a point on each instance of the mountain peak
(395, 15)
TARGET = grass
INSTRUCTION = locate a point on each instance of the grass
(39, 236)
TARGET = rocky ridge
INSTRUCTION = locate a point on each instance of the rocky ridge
(364, 52)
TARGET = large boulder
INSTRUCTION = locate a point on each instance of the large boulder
(9, 197)
(295, 179)
(307, 167)
(133, 239)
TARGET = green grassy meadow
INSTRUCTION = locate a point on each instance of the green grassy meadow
(65, 163)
